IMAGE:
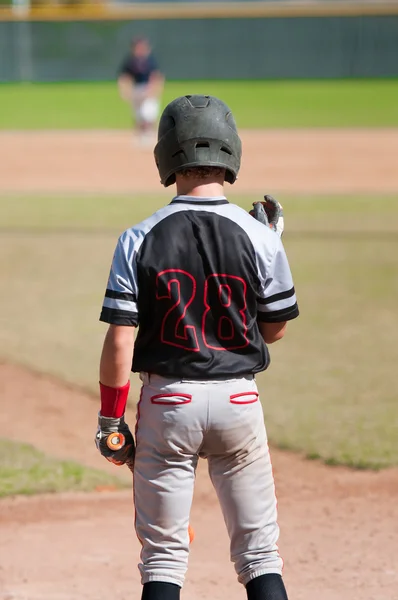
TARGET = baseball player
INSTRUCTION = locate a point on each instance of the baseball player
(140, 83)
(209, 287)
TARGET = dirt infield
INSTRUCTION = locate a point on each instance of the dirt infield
(338, 527)
(291, 161)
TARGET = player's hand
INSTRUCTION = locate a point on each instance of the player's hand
(270, 213)
(114, 440)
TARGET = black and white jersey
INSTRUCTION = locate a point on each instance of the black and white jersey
(196, 277)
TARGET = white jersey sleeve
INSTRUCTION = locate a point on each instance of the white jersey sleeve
(120, 302)
(277, 301)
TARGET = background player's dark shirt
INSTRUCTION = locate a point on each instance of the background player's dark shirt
(196, 277)
(140, 69)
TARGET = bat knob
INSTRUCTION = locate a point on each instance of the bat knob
(115, 441)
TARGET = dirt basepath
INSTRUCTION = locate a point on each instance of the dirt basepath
(288, 161)
(339, 527)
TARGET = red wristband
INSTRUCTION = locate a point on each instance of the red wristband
(114, 400)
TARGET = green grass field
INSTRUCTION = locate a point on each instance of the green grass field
(329, 392)
(325, 103)
(25, 470)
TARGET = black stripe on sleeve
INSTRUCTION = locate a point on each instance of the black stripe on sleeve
(118, 317)
(284, 314)
(276, 297)
(120, 295)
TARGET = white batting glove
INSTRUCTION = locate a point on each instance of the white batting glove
(270, 213)
(115, 441)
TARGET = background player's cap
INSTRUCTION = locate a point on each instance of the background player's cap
(197, 131)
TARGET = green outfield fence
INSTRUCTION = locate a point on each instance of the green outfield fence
(202, 40)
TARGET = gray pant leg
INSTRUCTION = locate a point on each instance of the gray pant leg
(241, 473)
(168, 436)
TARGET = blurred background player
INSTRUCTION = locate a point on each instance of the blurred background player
(140, 83)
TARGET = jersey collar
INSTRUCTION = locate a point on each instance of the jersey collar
(215, 200)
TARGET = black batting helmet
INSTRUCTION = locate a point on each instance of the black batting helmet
(197, 131)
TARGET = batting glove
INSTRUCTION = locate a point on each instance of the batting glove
(115, 441)
(270, 213)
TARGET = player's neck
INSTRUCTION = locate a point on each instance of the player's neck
(197, 188)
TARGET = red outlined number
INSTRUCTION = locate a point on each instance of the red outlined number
(179, 287)
(224, 313)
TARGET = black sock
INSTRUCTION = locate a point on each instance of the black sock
(160, 590)
(266, 587)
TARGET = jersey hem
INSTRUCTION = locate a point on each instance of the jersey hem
(177, 375)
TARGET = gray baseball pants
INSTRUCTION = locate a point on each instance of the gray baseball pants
(222, 421)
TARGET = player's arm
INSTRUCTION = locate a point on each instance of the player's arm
(272, 332)
(125, 87)
(125, 81)
(156, 79)
(277, 301)
(114, 439)
(117, 356)
(155, 84)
